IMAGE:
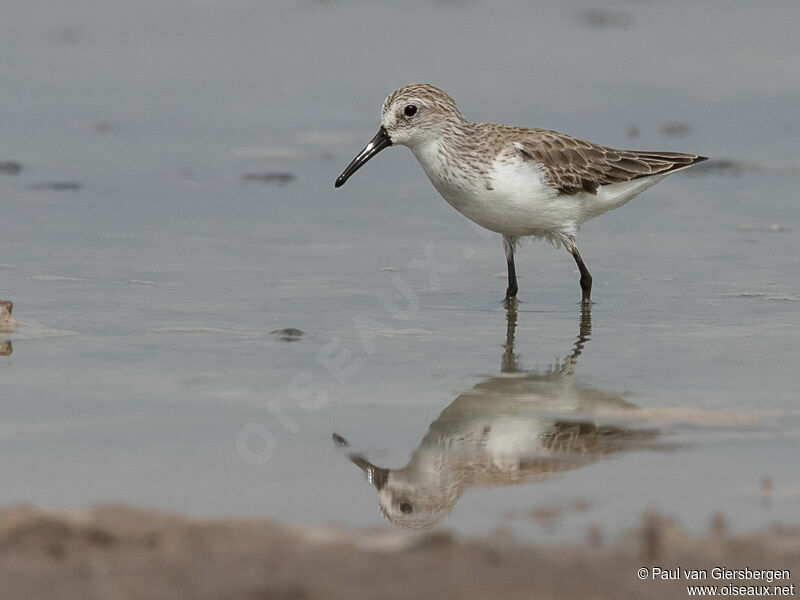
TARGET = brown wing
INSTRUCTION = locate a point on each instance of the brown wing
(575, 165)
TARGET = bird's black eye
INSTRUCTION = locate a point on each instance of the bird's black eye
(410, 110)
(406, 508)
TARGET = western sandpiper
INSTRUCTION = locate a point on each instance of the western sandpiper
(515, 181)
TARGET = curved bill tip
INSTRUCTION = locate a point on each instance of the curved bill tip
(376, 144)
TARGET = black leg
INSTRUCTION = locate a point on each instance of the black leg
(511, 290)
(586, 277)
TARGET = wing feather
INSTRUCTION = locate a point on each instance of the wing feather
(573, 165)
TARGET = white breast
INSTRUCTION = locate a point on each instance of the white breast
(514, 197)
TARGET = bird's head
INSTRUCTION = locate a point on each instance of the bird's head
(412, 115)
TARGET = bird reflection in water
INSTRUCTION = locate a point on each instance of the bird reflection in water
(509, 429)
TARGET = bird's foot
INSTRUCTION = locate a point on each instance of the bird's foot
(510, 302)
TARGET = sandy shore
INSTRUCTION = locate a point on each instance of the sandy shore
(113, 552)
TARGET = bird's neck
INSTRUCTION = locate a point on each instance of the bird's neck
(440, 155)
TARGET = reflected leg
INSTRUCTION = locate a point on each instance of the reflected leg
(508, 364)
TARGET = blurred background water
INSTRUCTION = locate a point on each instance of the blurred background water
(174, 207)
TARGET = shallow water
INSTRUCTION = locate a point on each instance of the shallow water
(176, 206)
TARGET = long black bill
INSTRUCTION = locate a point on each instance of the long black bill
(376, 144)
(377, 476)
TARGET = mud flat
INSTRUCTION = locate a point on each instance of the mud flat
(116, 551)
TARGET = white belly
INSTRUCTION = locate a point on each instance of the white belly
(514, 198)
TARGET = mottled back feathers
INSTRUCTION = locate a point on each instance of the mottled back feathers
(574, 166)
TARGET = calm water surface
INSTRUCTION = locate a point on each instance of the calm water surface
(200, 141)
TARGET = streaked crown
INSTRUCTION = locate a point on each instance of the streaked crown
(417, 112)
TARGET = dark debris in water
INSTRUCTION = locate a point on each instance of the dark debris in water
(58, 186)
(290, 334)
(10, 167)
(675, 128)
(601, 18)
(276, 177)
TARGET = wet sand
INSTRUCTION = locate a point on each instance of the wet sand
(115, 552)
